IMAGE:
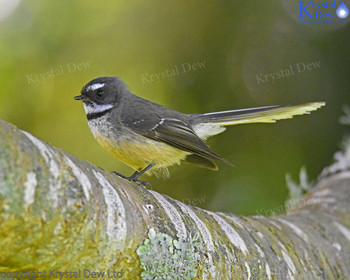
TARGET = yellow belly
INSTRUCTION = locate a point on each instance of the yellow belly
(138, 154)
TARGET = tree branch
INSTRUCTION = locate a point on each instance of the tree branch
(60, 214)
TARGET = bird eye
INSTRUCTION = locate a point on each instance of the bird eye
(100, 93)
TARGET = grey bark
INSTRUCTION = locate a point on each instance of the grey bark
(59, 213)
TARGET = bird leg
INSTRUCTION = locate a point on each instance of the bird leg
(134, 177)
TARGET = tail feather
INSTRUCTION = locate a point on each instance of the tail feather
(210, 124)
(269, 114)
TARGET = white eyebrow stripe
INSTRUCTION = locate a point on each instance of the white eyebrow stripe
(95, 86)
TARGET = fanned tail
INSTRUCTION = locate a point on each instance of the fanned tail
(209, 124)
(267, 114)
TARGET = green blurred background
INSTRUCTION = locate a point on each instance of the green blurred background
(50, 49)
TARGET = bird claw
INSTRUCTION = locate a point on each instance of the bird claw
(143, 183)
(120, 175)
(132, 179)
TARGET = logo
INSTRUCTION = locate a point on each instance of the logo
(322, 12)
(342, 11)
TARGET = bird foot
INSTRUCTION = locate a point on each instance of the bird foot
(133, 179)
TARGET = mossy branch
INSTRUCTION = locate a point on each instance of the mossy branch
(61, 214)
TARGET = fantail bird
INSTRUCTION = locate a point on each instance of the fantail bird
(150, 137)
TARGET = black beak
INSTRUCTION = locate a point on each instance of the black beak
(79, 97)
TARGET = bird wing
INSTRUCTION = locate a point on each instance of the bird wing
(180, 135)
